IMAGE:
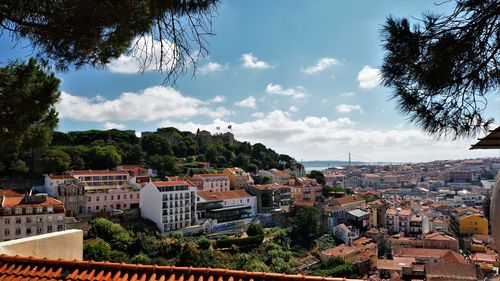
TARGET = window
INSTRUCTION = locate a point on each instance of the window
(97, 198)
(28, 211)
(39, 230)
(118, 197)
(49, 219)
(39, 219)
(60, 227)
(6, 232)
(124, 196)
(49, 228)
(124, 205)
(39, 210)
(137, 196)
(18, 220)
(105, 198)
(6, 221)
(97, 208)
(18, 211)
(89, 199)
(28, 231)
(112, 197)
(18, 231)
(28, 220)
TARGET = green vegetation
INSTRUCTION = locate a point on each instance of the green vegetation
(253, 253)
(305, 226)
(336, 268)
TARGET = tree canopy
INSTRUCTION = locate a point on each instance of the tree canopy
(166, 36)
(442, 68)
(27, 112)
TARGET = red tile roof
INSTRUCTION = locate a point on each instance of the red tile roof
(29, 268)
(9, 202)
(349, 200)
(210, 175)
(221, 195)
(10, 193)
(171, 183)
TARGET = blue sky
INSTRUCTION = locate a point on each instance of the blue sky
(301, 78)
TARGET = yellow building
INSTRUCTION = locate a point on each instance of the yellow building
(238, 178)
(472, 224)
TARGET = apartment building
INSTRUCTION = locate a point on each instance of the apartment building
(212, 182)
(226, 206)
(29, 215)
(238, 178)
(170, 204)
(305, 189)
(468, 221)
(397, 220)
(271, 197)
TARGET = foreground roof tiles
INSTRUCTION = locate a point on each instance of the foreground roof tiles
(29, 268)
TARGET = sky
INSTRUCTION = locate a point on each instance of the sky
(303, 79)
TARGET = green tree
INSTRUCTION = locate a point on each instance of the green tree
(188, 255)
(55, 161)
(96, 250)
(27, 112)
(113, 233)
(317, 175)
(252, 168)
(19, 167)
(79, 32)
(164, 165)
(306, 225)
(103, 157)
(255, 229)
(442, 68)
(141, 259)
(154, 144)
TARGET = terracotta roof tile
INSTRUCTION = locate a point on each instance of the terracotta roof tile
(171, 183)
(349, 199)
(221, 195)
(29, 268)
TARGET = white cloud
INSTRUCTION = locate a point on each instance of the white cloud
(347, 108)
(110, 125)
(250, 61)
(293, 108)
(258, 114)
(321, 138)
(144, 56)
(218, 99)
(369, 77)
(348, 94)
(248, 102)
(321, 64)
(210, 67)
(296, 93)
(153, 103)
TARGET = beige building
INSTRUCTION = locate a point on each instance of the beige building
(29, 215)
(211, 182)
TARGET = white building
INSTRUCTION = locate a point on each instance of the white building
(52, 183)
(170, 204)
(464, 198)
(345, 233)
(212, 182)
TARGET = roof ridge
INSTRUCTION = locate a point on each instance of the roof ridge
(154, 269)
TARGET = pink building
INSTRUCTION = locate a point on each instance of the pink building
(305, 189)
(116, 198)
(211, 182)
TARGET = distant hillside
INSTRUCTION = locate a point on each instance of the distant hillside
(167, 150)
